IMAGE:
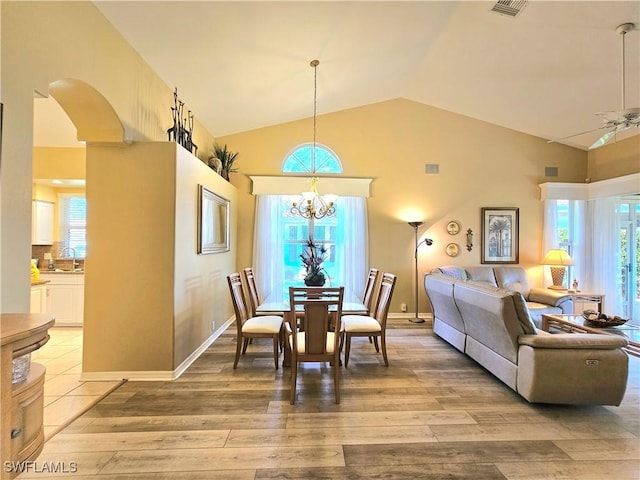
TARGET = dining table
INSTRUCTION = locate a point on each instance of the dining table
(277, 303)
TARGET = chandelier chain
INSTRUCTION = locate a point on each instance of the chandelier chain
(312, 205)
(314, 64)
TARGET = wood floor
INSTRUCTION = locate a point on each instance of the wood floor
(433, 413)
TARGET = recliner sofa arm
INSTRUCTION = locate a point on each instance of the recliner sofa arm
(548, 297)
(574, 341)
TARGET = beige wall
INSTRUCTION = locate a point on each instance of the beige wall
(129, 265)
(59, 162)
(47, 41)
(201, 294)
(615, 160)
(150, 300)
(481, 165)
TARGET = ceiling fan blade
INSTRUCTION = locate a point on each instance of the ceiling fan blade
(603, 139)
(577, 134)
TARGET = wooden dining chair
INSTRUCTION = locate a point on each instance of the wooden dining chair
(314, 336)
(252, 290)
(371, 325)
(250, 327)
(369, 288)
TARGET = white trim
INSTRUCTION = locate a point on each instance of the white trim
(293, 185)
(625, 185)
(158, 375)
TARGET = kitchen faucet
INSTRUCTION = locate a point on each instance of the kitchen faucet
(73, 252)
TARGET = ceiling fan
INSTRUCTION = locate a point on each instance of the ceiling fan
(614, 122)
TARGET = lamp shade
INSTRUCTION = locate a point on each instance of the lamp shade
(557, 257)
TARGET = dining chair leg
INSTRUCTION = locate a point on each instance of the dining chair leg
(276, 340)
(383, 341)
(336, 377)
(375, 344)
(238, 348)
(347, 349)
(244, 345)
(294, 374)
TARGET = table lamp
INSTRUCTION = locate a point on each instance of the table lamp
(557, 260)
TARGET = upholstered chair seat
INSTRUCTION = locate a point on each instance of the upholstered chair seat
(262, 324)
(301, 342)
(360, 323)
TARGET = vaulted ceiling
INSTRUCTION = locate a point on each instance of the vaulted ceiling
(241, 65)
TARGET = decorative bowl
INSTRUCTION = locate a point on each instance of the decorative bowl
(595, 319)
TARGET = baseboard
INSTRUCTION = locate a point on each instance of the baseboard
(158, 375)
(427, 317)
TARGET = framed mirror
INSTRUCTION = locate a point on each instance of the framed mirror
(213, 222)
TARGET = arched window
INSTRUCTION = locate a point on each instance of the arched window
(300, 160)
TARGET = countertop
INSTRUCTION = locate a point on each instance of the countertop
(62, 272)
(39, 282)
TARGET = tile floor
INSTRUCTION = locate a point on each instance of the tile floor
(65, 396)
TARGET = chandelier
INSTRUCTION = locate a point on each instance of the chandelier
(311, 204)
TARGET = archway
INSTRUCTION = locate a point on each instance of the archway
(91, 113)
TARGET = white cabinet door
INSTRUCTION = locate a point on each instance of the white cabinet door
(60, 303)
(65, 297)
(38, 299)
(41, 223)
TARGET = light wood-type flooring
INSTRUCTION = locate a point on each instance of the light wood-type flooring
(433, 413)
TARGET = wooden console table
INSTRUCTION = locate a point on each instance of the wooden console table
(21, 404)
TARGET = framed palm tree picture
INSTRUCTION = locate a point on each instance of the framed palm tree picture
(499, 235)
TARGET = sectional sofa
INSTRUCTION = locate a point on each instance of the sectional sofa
(493, 326)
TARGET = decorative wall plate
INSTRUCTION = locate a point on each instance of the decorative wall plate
(453, 227)
(452, 249)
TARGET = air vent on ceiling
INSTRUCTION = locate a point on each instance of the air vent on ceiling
(510, 8)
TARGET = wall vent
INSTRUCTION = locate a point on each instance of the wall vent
(511, 8)
(431, 168)
(550, 171)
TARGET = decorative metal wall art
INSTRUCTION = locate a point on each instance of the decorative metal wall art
(182, 130)
(469, 240)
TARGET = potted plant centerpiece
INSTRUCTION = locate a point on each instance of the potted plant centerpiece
(312, 258)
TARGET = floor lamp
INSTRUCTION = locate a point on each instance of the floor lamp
(426, 241)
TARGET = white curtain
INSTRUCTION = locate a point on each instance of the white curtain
(352, 244)
(268, 238)
(549, 233)
(603, 247)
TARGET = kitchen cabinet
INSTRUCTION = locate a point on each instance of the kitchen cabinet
(41, 223)
(65, 297)
(22, 398)
(38, 297)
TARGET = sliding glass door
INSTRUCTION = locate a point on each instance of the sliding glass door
(629, 222)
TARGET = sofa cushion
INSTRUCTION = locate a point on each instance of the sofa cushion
(458, 273)
(512, 278)
(523, 313)
(481, 274)
(536, 310)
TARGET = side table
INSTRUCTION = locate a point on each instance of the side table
(578, 296)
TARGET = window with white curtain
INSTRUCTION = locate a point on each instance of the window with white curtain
(73, 223)
(280, 235)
